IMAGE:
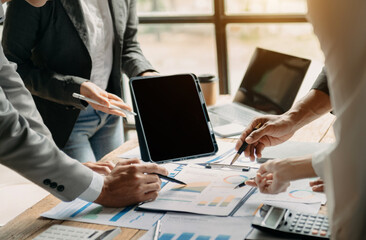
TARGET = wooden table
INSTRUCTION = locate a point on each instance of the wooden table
(29, 224)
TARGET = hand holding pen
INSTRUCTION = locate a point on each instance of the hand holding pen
(243, 183)
(243, 146)
(102, 100)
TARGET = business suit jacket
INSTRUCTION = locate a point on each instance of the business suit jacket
(26, 145)
(50, 45)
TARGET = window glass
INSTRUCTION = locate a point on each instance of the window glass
(265, 6)
(291, 38)
(175, 7)
(179, 48)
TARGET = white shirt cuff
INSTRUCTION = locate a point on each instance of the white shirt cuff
(318, 161)
(94, 189)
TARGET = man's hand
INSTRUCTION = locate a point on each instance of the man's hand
(131, 182)
(90, 90)
(317, 185)
(103, 168)
(275, 129)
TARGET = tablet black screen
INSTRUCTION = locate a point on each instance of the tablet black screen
(172, 117)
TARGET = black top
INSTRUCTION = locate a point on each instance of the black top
(51, 48)
(321, 82)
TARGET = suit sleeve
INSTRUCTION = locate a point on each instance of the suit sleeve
(133, 61)
(20, 35)
(321, 83)
(37, 158)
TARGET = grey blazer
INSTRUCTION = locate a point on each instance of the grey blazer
(26, 145)
(50, 45)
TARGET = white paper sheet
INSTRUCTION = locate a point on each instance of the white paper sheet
(184, 226)
(299, 192)
(207, 191)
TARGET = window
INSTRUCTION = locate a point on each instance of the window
(219, 36)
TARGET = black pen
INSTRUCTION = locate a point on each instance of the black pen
(243, 146)
(243, 183)
(170, 179)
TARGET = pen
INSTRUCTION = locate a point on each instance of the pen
(243, 183)
(82, 97)
(243, 146)
(170, 179)
(157, 230)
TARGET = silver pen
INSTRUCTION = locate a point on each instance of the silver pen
(157, 230)
(82, 97)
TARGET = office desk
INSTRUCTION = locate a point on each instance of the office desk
(28, 225)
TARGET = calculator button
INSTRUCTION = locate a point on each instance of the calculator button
(298, 230)
(323, 233)
(315, 232)
(291, 228)
(305, 215)
(316, 228)
(307, 231)
(293, 224)
(321, 217)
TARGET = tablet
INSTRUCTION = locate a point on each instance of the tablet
(172, 121)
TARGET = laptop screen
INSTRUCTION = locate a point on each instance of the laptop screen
(272, 81)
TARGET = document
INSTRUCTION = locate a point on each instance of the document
(208, 191)
(298, 197)
(82, 211)
(298, 192)
(184, 226)
(253, 204)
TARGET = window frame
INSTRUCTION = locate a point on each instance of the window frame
(220, 20)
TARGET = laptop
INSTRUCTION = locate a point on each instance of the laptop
(269, 86)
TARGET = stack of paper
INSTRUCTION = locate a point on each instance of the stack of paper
(184, 226)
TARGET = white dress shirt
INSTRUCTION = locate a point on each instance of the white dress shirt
(99, 24)
(341, 28)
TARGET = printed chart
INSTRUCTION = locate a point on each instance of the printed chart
(196, 187)
(299, 191)
(207, 191)
(301, 194)
(193, 227)
(81, 211)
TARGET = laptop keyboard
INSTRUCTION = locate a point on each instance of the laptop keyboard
(235, 113)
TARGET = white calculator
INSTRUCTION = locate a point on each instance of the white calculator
(61, 232)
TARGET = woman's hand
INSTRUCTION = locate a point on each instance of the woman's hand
(91, 90)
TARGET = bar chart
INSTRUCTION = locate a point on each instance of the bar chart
(82, 211)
